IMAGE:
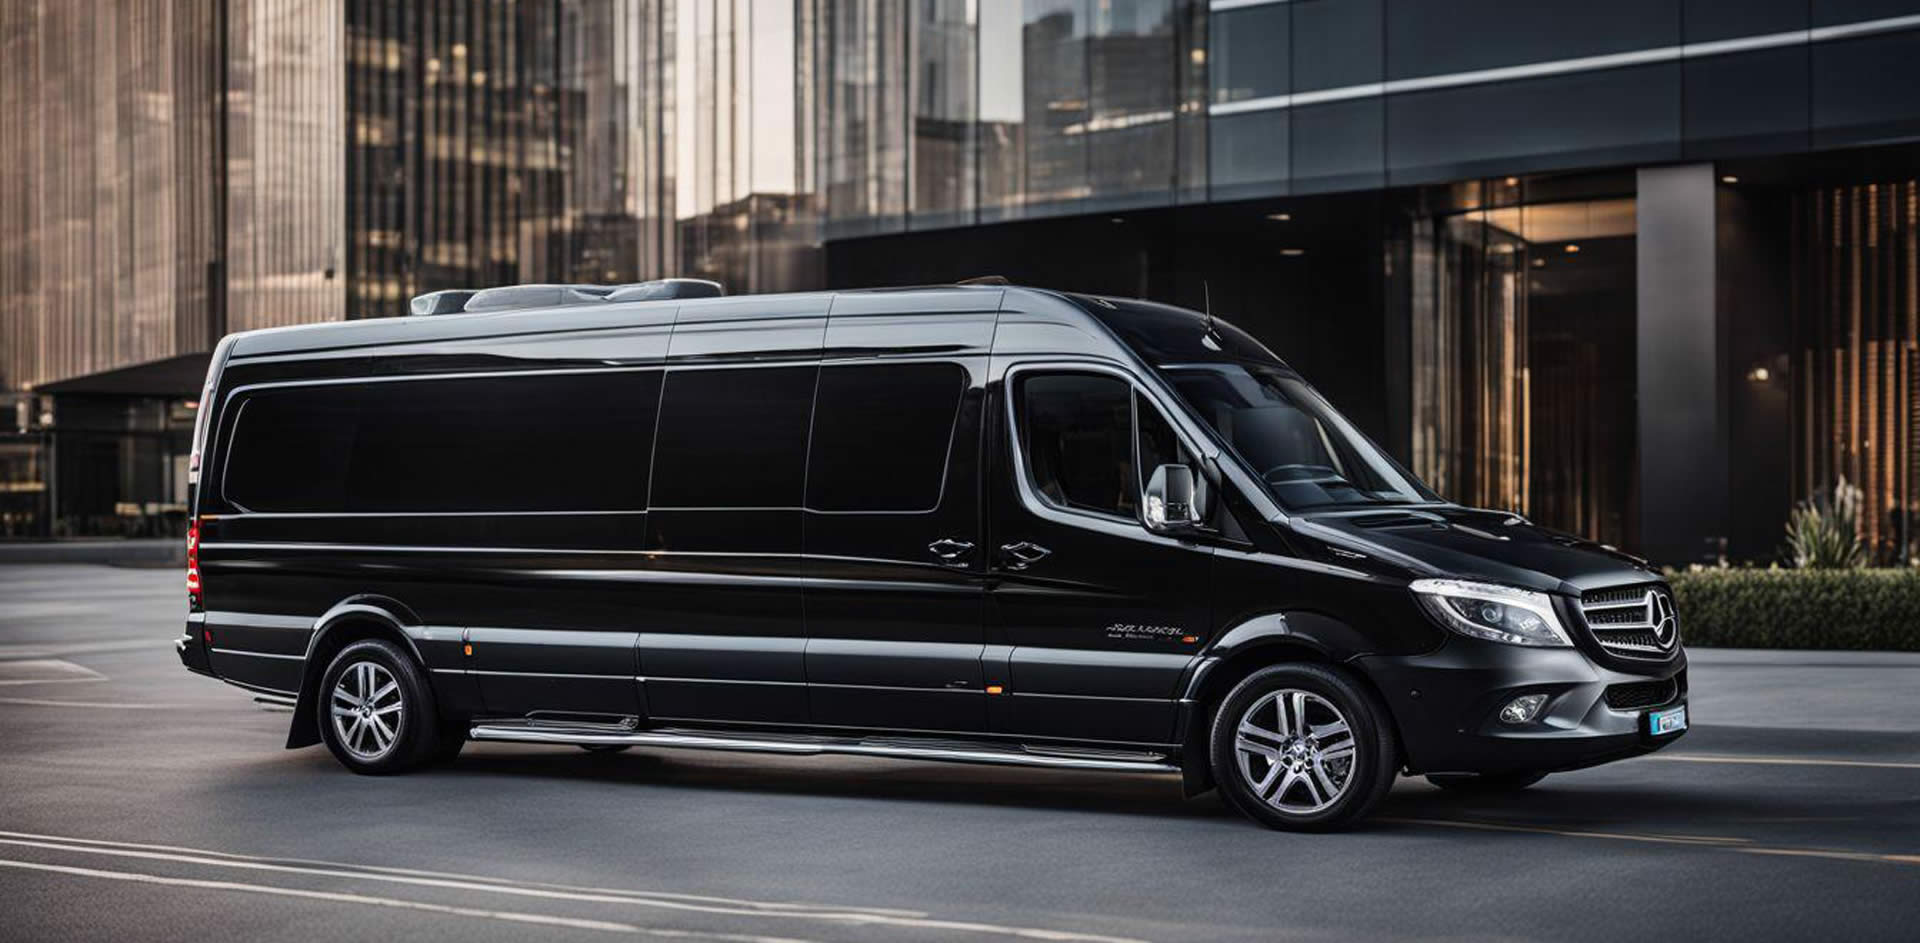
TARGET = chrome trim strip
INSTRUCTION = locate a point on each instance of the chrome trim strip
(1597, 63)
(538, 674)
(246, 654)
(888, 747)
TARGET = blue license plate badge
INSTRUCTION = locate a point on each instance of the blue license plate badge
(1671, 720)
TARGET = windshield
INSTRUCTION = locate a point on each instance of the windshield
(1305, 453)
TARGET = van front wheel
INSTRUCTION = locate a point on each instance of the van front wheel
(376, 713)
(1302, 747)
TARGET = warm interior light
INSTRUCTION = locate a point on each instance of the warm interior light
(1759, 374)
(1513, 181)
(1280, 217)
(1729, 179)
(1291, 252)
(1573, 247)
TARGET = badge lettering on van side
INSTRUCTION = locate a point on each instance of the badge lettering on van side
(1138, 632)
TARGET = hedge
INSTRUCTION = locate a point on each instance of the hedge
(1876, 609)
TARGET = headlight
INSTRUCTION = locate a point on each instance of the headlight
(1492, 612)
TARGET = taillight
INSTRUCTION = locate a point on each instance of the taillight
(193, 564)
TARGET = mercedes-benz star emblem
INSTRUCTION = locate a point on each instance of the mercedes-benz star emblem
(1666, 625)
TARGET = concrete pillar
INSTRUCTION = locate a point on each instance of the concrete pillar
(1681, 394)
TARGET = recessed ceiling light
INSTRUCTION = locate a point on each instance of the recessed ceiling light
(1729, 179)
(1280, 217)
(1513, 181)
(1539, 263)
(1293, 252)
(1117, 219)
(1573, 247)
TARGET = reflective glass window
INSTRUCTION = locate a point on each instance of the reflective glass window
(545, 443)
(1249, 55)
(881, 435)
(1336, 43)
(1076, 430)
(733, 437)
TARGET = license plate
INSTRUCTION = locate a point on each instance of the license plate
(1671, 720)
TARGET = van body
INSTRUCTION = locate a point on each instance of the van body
(972, 523)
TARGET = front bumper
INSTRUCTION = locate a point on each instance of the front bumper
(1445, 705)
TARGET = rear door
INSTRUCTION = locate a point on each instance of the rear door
(893, 525)
(1100, 617)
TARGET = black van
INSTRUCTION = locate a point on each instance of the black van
(975, 523)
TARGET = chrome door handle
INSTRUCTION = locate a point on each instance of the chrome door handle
(950, 549)
(1023, 554)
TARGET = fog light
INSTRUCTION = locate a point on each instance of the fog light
(1522, 709)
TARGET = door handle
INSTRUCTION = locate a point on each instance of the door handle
(1023, 554)
(950, 549)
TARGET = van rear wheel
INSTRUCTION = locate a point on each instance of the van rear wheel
(376, 712)
(1302, 747)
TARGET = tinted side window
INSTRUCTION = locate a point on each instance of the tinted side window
(1077, 432)
(1158, 443)
(881, 435)
(292, 449)
(547, 443)
(733, 438)
(535, 443)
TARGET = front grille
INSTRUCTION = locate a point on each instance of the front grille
(1638, 694)
(1632, 621)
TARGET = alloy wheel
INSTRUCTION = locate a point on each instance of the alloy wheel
(367, 709)
(1295, 751)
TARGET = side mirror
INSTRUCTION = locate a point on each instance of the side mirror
(1171, 505)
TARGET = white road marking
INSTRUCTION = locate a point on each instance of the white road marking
(667, 895)
(16, 651)
(1725, 844)
(44, 702)
(1775, 760)
(838, 916)
(46, 671)
(571, 923)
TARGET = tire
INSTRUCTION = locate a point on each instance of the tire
(606, 747)
(398, 731)
(1485, 782)
(1282, 780)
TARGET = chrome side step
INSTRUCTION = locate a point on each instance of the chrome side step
(912, 748)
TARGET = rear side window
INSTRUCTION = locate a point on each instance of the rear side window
(1077, 432)
(536, 443)
(733, 438)
(881, 434)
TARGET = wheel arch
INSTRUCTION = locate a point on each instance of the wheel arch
(349, 621)
(1253, 644)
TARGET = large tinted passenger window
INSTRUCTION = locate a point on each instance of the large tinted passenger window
(733, 438)
(534, 443)
(881, 435)
(1077, 432)
(292, 449)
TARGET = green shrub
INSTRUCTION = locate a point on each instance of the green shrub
(1822, 533)
(1875, 609)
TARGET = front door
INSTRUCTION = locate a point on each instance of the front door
(1099, 616)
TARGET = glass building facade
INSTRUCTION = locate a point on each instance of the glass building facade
(1643, 270)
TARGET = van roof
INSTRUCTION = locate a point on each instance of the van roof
(1157, 333)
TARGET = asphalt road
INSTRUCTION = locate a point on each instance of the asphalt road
(140, 802)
